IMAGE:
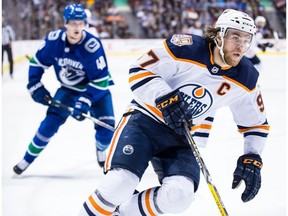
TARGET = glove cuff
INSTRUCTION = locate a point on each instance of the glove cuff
(85, 100)
(252, 159)
(34, 87)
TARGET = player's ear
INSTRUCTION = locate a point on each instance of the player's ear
(218, 39)
(65, 25)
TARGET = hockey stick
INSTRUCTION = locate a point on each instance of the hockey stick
(28, 57)
(55, 103)
(205, 171)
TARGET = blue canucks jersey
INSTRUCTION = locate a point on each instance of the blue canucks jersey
(81, 67)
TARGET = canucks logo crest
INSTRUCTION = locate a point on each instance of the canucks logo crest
(70, 76)
(71, 72)
(198, 98)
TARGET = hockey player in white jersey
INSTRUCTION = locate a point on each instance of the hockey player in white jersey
(185, 80)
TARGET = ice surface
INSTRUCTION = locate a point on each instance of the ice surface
(66, 172)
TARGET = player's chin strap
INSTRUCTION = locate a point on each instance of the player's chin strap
(221, 48)
(55, 103)
(205, 171)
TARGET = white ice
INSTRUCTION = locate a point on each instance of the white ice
(66, 172)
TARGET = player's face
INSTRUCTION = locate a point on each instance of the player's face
(236, 43)
(74, 30)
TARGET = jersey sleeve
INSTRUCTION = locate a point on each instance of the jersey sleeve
(250, 116)
(201, 132)
(148, 74)
(39, 62)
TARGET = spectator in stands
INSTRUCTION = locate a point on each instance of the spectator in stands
(196, 29)
(157, 18)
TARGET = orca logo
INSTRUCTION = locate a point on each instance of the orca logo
(70, 76)
(199, 99)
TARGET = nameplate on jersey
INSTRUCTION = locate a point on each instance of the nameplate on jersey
(181, 39)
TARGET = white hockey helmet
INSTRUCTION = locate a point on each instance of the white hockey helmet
(260, 19)
(237, 20)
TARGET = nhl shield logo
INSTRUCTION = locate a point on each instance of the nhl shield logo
(215, 70)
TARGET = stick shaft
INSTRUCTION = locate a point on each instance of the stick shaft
(70, 109)
(205, 172)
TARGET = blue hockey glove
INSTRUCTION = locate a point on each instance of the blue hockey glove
(81, 106)
(248, 169)
(39, 93)
(174, 111)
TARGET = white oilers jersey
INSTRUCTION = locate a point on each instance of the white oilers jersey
(185, 62)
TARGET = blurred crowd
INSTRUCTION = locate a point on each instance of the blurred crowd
(157, 18)
(37, 17)
(280, 6)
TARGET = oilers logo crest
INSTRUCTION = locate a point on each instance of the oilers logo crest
(198, 98)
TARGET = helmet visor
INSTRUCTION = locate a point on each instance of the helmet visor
(239, 38)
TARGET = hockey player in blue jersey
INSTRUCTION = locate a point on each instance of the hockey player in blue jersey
(261, 32)
(81, 68)
(185, 80)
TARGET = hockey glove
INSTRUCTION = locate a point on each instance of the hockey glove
(263, 46)
(174, 111)
(81, 106)
(248, 169)
(39, 93)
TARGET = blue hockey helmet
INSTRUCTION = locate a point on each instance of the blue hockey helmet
(74, 12)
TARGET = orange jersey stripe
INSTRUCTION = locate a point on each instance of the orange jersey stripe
(147, 203)
(98, 208)
(113, 143)
(183, 60)
(138, 76)
(155, 110)
(265, 127)
(239, 84)
(202, 126)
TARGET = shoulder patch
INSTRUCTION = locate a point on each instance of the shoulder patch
(181, 39)
(92, 45)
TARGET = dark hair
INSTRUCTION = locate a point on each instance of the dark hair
(210, 33)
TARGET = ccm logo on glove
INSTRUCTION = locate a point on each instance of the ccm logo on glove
(175, 111)
(254, 162)
(168, 102)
